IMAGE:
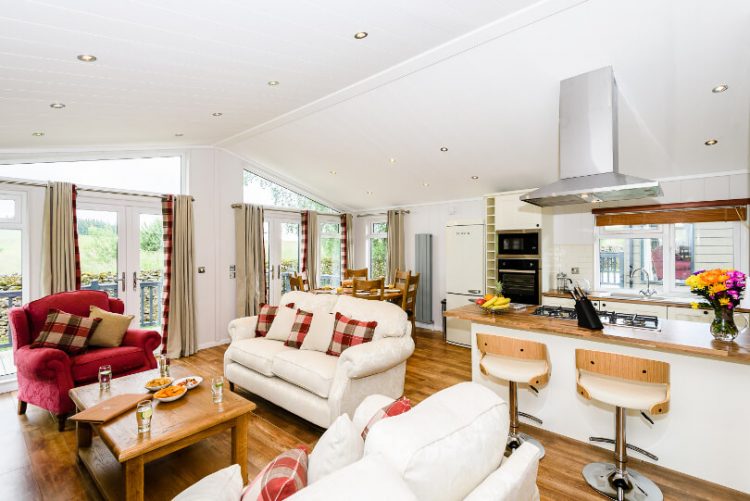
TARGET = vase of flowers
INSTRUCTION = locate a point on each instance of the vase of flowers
(722, 290)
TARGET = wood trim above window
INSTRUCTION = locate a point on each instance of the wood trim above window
(688, 212)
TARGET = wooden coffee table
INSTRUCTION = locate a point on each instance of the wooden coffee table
(118, 453)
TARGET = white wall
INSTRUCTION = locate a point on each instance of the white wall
(432, 219)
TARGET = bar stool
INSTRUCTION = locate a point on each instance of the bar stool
(516, 361)
(627, 383)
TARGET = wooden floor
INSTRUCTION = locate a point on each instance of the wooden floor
(39, 463)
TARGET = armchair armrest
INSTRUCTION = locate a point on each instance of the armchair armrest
(242, 328)
(43, 363)
(376, 356)
(146, 340)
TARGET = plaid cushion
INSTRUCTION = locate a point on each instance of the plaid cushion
(281, 478)
(66, 332)
(348, 332)
(265, 318)
(300, 329)
(393, 409)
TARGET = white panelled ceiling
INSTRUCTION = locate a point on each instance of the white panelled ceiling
(478, 77)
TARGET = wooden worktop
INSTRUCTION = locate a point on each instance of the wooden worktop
(652, 302)
(684, 338)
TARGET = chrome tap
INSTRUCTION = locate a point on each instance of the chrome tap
(648, 292)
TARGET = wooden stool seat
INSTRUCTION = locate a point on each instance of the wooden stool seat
(624, 393)
(514, 369)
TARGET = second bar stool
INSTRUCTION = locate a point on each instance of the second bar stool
(627, 383)
(516, 361)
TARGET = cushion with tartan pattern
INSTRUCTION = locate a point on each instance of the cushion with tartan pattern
(348, 332)
(265, 318)
(281, 478)
(395, 408)
(66, 332)
(301, 327)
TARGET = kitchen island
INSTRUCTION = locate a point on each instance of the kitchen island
(705, 432)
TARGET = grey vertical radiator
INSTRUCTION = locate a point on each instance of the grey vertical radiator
(423, 266)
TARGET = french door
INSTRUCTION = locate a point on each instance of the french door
(282, 232)
(122, 253)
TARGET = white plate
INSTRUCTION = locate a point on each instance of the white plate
(157, 388)
(198, 380)
(171, 399)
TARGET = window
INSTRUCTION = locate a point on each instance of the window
(669, 253)
(260, 191)
(155, 175)
(11, 270)
(377, 248)
(329, 265)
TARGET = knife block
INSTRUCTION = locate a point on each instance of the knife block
(587, 315)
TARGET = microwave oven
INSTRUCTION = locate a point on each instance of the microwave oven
(519, 243)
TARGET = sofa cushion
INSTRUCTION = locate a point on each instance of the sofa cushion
(391, 409)
(348, 332)
(301, 327)
(392, 320)
(337, 448)
(515, 480)
(257, 353)
(266, 316)
(111, 329)
(285, 475)
(321, 332)
(67, 332)
(309, 301)
(85, 366)
(311, 370)
(367, 408)
(466, 422)
(223, 485)
(73, 302)
(282, 324)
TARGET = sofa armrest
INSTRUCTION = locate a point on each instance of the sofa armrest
(146, 340)
(242, 328)
(376, 356)
(515, 480)
(19, 327)
(43, 363)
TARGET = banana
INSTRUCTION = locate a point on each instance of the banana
(490, 302)
(501, 301)
(500, 306)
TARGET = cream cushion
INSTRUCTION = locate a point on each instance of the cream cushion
(311, 370)
(224, 485)
(515, 480)
(338, 447)
(391, 319)
(111, 329)
(321, 331)
(446, 445)
(513, 369)
(282, 324)
(257, 353)
(621, 392)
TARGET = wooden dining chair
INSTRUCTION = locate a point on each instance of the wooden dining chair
(401, 282)
(360, 273)
(410, 301)
(298, 283)
(369, 289)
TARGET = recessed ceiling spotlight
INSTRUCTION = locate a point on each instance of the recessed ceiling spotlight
(719, 88)
(57, 106)
(86, 58)
(332, 172)
(443, 149)
(369, 192)
(273, 83)
(392, 160)
(179, 134)
(475, 177)
(217, 114)
(360, 35)
(426, 185)
(37, 134)
(711, 142)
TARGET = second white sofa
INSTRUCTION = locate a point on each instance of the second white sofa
(311, 384)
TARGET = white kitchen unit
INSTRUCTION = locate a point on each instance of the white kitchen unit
(513, 214)
(633, 308)
(689, 314)
(465, 262)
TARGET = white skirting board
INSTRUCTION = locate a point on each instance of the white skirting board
(704, 434)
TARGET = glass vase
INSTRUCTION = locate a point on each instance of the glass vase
(723, 327)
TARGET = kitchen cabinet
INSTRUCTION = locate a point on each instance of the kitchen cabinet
(634, 308)
(689, 314)
(513, 214)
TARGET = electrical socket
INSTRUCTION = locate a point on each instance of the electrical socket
(575, 270)
(232, 271)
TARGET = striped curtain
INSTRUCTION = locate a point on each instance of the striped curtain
(346, 242)
(310, 247)
(167, 213)
(61, 258)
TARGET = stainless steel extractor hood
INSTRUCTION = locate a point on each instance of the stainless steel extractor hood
(588, 147)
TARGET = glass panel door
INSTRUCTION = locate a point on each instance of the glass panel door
(11, 291)
(147, 281)
(100, 234)
(282, 240)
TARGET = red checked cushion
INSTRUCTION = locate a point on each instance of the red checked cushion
(393, 409)
(265, 318)
(281, 478)
(66, 332)
(301, 327)
(348, 332)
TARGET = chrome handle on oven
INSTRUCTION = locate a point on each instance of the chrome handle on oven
(528, 272)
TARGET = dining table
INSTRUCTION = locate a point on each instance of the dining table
(389, 294)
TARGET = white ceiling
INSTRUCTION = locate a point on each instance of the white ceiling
(490, 95)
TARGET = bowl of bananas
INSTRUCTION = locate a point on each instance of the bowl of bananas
(494, 304)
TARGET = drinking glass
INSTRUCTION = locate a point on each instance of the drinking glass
(163, 365)
(105, 377)
(143, 413)
(217, 389)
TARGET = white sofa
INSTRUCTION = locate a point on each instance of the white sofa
(311, 384)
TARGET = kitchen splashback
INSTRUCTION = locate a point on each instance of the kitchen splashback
(565, 257)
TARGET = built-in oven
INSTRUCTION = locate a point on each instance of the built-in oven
(521, 279)
(519, 243)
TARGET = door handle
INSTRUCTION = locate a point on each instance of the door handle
(135, 281)
(123, 281)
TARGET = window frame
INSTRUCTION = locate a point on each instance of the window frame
(370, 235)
(322, 209)
(324, 219)
(18, 200)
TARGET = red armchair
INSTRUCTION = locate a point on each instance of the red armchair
(45, 375)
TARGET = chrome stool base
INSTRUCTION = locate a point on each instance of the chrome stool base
(603, 478)
(515, 441)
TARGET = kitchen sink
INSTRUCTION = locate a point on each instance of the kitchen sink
(632, 295)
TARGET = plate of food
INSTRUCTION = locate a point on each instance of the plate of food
(170, 393)
(158, 383)
(188, 382)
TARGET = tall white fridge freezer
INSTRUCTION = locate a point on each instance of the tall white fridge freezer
(464, 274)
